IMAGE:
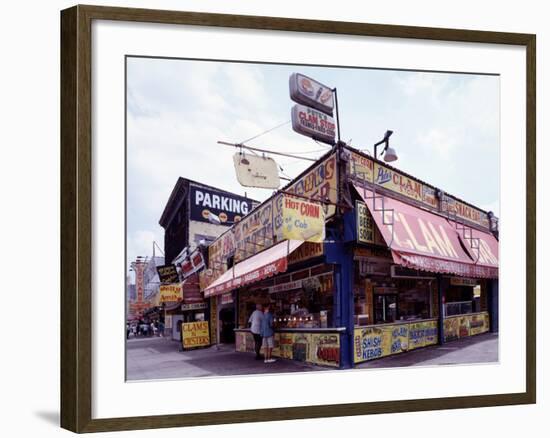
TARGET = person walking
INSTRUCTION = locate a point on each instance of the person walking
(268, 334)
(255, 322)
(161, 328)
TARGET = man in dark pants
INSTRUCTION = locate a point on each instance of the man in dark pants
(255, 322)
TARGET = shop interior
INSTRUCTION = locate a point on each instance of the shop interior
(310, 306)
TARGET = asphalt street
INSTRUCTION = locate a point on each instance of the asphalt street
(161, 358)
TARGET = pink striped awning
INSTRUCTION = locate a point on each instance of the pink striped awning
(429, 242)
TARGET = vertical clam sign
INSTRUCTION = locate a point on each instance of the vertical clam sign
(312, 114)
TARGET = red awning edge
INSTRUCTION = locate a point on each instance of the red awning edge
(423, 240)
(256, 275)
(432, 264)
(258, 267)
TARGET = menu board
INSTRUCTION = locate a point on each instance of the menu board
(195, 334)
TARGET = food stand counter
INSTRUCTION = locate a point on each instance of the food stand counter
(319, 346)
(380, 340)
(461, 326)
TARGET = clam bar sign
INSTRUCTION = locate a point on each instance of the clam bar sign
(313, 123)
(227, 206)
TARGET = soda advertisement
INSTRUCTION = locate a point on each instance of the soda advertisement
(309, 92)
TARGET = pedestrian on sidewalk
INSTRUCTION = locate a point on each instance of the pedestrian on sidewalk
(255, 322)
(161, 328)
(268, 334)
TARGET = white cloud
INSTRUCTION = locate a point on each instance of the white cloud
(446, 128)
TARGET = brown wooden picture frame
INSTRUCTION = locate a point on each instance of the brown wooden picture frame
(76, 217)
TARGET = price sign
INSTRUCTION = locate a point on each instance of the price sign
(365, 223)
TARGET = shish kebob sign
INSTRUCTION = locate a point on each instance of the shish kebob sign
(312, 123)
(303, 220)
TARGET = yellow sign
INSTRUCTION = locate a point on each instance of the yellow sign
(396, 182)
(254, 232)
(362, 168)
(195, 334)
(422, 334)
(306, 251)
(465, 325)
(368, 344)
(365, 223)
(464, 211)
(303, 220)
(479, 324)
(320, 183)
(380, 341)
(171, 292)
(324, 349)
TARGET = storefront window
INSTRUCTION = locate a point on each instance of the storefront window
(309, 304)
(383, 299)
(458, 308)
(462, 296)
(385, 308)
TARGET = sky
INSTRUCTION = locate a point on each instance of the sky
(446, 128)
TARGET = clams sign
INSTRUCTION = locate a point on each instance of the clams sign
(312, 116)
(312, 123)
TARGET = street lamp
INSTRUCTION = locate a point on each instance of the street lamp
(390, 154)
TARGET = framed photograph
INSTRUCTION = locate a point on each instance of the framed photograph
(269, 218)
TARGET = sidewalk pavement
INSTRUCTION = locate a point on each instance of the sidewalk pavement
(161, 358)
(475, 349)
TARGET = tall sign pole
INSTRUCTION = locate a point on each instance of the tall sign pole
(312, 115)
(337, 114)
